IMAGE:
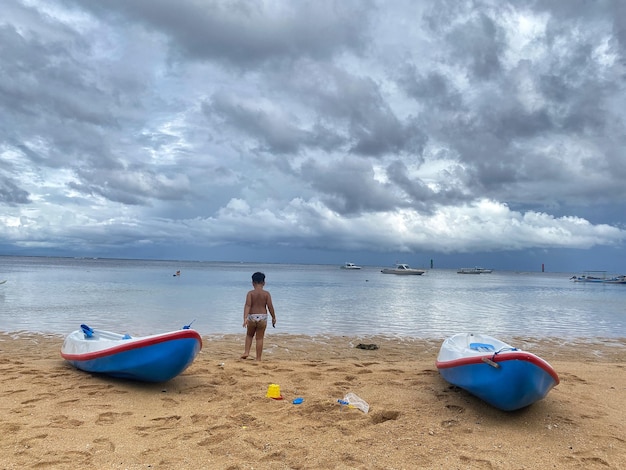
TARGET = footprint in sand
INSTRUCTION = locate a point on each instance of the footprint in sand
(9, 428)
(214, 440)
(565, 377)
(200, 419)
(315, 364)
(63, 422)
(68, 402)
(448, 423)
(482, 462)
(104, 443)
(169, 403)
(29, 440)
(594, 461)
(383, 416)
(456, 408)
(244, 419)
(39, 397)
(167, 420)
(12, 392)
(341, 384)
(223, 380)
(110, 417)
(165, 423)
(97, 387)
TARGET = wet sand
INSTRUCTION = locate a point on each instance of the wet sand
(216, 414)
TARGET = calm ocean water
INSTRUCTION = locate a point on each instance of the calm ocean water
(56, 295)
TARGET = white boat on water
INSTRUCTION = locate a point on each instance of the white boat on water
(474, 270)
(599, 277)
(402, 269)
(350, 266)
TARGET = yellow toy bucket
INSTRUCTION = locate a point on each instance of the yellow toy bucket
(273, 391)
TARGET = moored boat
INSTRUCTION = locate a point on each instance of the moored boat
(599, 277)
(155, 358)
(402, 269)
(494, 371)
(475, 270)
(350, 266)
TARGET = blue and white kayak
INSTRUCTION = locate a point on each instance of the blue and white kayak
(155, 358)
(496, 372)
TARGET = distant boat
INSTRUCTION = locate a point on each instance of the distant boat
(475, 270)
(402, 269)
(599, 277)
(350, 266)
(496, 372)
(155, 358)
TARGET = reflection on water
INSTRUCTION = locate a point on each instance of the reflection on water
(55, 295)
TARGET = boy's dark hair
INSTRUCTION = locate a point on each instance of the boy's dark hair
(258, 278)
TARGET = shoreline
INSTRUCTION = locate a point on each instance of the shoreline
(216, 415)
(566, 348)
(383, 336)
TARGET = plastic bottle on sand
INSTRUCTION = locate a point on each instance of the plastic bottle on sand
(355, 401)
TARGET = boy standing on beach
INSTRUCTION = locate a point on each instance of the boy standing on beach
(258, 302)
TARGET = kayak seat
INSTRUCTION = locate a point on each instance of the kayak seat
(482, 347)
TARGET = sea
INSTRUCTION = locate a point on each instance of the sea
(56, 295)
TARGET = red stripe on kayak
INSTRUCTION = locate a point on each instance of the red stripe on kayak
(129, 345)
(509, 356)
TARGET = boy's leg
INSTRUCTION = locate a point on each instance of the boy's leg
(251, 329)
(260, 334)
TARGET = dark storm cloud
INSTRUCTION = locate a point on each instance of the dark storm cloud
(418, 195)
(245, 33)
(352, 116)
(348, 187)
(432, 88)
(275, 133)
(357, 104)
(42, 77)
(11, 194)
(380, 133)
(478, 45)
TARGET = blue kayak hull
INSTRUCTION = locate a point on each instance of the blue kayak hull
(516, 383)
(157, 358)
(494, 371)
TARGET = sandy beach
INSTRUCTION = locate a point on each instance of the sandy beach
(216, 414)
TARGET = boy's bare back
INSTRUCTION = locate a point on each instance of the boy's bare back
(259, 300)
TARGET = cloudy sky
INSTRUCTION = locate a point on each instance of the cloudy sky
(469, 132)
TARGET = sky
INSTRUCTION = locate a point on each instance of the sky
(483, 132)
